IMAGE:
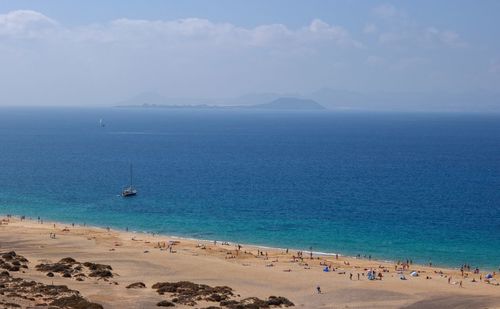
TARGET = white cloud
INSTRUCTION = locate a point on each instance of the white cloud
(319, 30)
(127, 30)
(25, 24)
(171, 33)
(204, 31)
(264, 35)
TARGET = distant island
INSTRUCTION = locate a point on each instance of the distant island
(290, 104)
(285, 103)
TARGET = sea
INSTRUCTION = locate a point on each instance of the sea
(393, 186)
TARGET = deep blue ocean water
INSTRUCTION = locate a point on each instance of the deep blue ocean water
(395, 186)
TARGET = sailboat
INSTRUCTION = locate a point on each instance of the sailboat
(130, 190)
(101, 123)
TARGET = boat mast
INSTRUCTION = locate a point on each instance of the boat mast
(131, 175)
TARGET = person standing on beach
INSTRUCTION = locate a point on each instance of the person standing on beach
(318, 289)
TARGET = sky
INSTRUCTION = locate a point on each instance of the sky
(102, 52)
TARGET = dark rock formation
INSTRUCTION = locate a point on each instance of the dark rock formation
(136, 285)
(188, 293)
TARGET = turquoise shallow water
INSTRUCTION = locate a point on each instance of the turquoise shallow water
(395, 186)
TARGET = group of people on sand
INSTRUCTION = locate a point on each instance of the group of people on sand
(466, 267)
(262, 253)
(358, 256)
(459, 283)
(162, 245)
(403, 265)
(299, 256)
(372, 275)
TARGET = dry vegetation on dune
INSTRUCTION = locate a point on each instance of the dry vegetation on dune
(17, 292)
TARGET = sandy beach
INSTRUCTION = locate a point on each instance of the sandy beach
(247, 271)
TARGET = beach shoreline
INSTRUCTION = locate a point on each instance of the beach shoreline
(252, 271)
(244, 244)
